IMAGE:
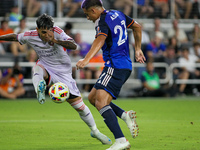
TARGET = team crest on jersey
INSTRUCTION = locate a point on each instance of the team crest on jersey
(51, 43)
(98, 30)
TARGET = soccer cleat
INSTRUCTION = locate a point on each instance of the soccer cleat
(120, 146)
(101, 137)
(131, 123)
(41, 92)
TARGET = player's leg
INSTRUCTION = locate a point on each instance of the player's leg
(85, 114)
(129, 118)
(39, 74)
(102, 101)
(107, 88)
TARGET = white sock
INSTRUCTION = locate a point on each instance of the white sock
(121, 140)
(85, 114)
(123, 117)
(38, 74)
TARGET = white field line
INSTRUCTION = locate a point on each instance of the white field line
(79, 120)
(35, 121)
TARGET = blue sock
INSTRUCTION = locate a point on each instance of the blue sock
(118, 111)
(111, 121)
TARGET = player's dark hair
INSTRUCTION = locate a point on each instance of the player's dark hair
(86, 4)
(45, 21)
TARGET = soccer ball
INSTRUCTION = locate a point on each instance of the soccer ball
(59, 92)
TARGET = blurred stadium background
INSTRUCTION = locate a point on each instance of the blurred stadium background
(86, 28)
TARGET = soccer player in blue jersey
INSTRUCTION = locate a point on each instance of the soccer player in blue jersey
(112, 38)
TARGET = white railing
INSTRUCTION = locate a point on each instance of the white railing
(134, 81)
(180, 81)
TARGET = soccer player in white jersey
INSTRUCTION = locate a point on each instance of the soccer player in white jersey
(54, 65)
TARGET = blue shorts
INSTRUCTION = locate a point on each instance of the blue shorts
(112, 79)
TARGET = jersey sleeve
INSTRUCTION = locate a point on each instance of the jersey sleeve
(60, 34)
(129, 21)
(22, 38)
(102, 28)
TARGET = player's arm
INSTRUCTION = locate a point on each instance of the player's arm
(66, 44)
(137, 33)
(69, 44)
(96, 46)
(9, 37)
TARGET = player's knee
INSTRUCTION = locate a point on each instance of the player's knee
(99, 104)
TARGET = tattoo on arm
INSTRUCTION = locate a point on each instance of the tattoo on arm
(9, 37)
(67, 44)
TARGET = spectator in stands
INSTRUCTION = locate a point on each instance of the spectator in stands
(182, 9)
(93, 72)
(156, 49)
(2, 92)
(145, 9)
(5, 29)
(11, 83)
(195, 13)
(177, 32)
(196, 33)
(195, 49)
(22, 26)
(72, 5)
(157, 28)
(32, 7)
(48, 7)
(86, 73)
(171, 58)
(31, 57)
(151, 82)
(15, 47)
(68, 29)
(14, 14)
(125, 6)
(176, 46)
(187, 63)
(163, 8)
(75, 55)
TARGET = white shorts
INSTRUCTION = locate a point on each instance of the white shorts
(61, 76)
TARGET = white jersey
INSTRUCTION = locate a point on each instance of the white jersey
(52, 57)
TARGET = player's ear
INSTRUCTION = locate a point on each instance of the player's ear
(93, 10)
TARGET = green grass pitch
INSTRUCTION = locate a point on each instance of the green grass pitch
(164, 123)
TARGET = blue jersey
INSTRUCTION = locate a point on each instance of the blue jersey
(113, 24)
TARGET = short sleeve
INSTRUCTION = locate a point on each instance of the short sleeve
(102, 28)
(22, 38)
(60, 34)
(129, 21)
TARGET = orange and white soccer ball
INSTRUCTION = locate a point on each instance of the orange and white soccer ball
(59, 92)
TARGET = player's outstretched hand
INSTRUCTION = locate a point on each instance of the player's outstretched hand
(81, 64)
(139, 56)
